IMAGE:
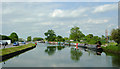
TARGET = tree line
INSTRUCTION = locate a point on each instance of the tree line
(14, 37)
(75, 34)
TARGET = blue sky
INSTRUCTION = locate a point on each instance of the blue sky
(35, 18)
(59, 0)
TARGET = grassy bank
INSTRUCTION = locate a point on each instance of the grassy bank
(112, 49)
(14, 49)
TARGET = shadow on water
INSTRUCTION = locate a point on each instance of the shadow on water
(92, 51)
(115, 59)
(75, 54)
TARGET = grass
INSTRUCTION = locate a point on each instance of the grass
(112, 49)
(112, 44)
(14, 49)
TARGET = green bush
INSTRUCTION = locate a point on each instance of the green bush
(111, 48)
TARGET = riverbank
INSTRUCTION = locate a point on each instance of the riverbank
(10, 52)
(112, 49)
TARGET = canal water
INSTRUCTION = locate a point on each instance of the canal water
(45, 55)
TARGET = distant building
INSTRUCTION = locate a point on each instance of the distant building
(8, 41)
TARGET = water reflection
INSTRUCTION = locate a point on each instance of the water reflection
(116, 61)
(66, 56)
(99, 51)
(51, 49)
(94, 51)
(60, 47)
(75, 54)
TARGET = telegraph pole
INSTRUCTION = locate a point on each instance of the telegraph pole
(106, 34)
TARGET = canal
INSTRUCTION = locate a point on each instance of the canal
(45, 55)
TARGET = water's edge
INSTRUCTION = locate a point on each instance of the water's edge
(8, 56)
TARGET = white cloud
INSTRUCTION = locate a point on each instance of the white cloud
(8, 11)
(57, 12)
(85, 15)
(68, 13)
(97, 21)
(68, 32)
(46, 23)
(55, 27)
(60, 0)
(23, 20)
(104, 8)
(41, 18)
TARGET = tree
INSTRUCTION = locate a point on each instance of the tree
(29, 38)
(4, 37)
(37, 39)
(115, 35)
(103, 37)
(66, 38)
(51, 36)
(90, 36)
(91, 39)
(76, 34)
(59, 38)
(14, 37)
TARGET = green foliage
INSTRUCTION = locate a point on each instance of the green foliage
(112, 44)
(37, 39)
(103, 37)
(51, 36)
(59, 38)
(90, 39)
(29, 38)
(76, 34)
(14, 37)
(115, 35)
(112, 49)
(4, 37)
(66, 38)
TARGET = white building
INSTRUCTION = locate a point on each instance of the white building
(8, 41)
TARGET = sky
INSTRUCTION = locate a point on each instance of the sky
(59, 0)
(36, 18)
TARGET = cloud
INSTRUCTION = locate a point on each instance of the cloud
(23, 20)
(105, 8)
(46, 23)
(69, 13)
(61, 17)
(60, 0)
(8, 11)
(97, 21)
(57, 13)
